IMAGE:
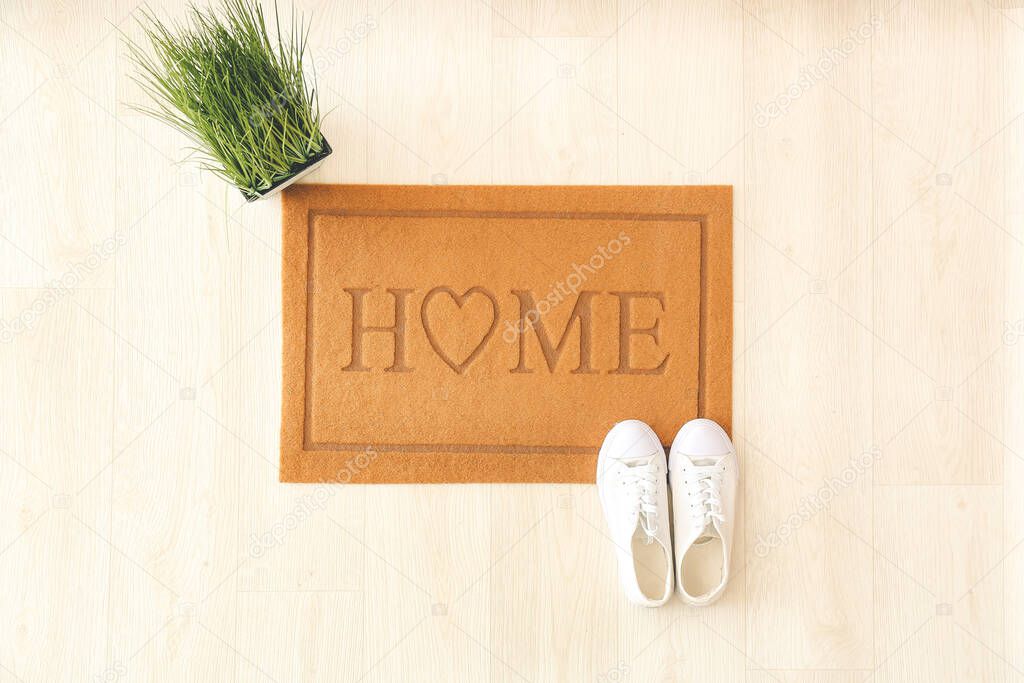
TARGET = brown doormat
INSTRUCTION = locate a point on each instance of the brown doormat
(495, 334)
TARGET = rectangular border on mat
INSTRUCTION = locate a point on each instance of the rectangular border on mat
(303, 461)
(513, 449)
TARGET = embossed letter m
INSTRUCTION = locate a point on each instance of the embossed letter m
(581, 311)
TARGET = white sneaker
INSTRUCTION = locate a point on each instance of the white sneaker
(632, 485)
(703, 472)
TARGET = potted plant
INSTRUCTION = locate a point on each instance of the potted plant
(242, 98)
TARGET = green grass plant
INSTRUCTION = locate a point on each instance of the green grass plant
(241, 98)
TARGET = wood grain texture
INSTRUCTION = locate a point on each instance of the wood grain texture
(808, 202)
(878, 269)
(1012, 446)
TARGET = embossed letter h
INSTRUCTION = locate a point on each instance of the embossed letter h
(359, 329)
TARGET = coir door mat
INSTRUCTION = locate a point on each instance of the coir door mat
(495, 334)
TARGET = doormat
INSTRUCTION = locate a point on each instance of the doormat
(496, 333)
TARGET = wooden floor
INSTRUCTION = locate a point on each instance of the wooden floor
(877, 153)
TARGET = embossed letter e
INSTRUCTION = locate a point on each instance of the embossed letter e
(359, 328)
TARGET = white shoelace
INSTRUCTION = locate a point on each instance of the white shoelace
(704, 483)
(641, 481)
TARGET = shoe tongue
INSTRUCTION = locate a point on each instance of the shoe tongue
(640, 535)
(709, 533)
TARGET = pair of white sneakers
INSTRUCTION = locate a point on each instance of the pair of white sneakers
(702, 473)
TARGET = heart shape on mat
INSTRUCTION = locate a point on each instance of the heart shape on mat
(459, 300)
